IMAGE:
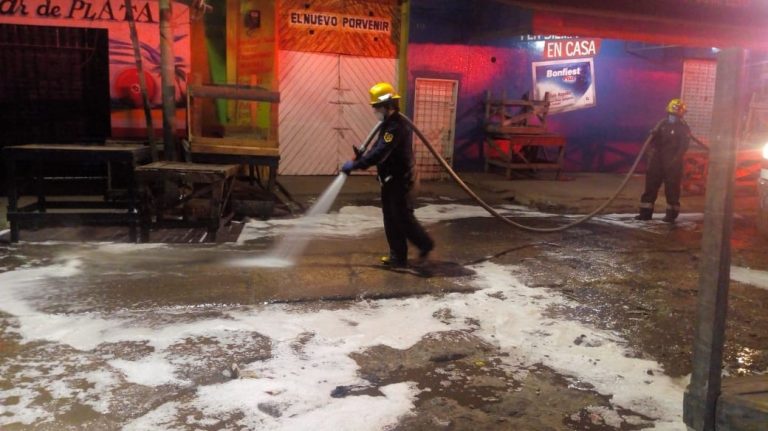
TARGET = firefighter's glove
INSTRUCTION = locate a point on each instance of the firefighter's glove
(347, 166)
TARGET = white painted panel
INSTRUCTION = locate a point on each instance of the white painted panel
(308, 144)
(358, 74)
(324, 108)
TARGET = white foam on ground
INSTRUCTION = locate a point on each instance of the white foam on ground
(122, 247)
(686, 221)
(298, 382)
(353, 221)
(265, 261)
(749, 276)
(150, 371)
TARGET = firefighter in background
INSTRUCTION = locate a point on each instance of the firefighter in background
(668, 146)
(393, 156)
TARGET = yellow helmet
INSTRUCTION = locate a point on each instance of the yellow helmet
(677, 107)
(383, 92)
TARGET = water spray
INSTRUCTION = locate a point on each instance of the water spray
(292, 244)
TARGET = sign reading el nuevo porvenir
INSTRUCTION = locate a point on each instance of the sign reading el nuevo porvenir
(340, 22)
(357, 28)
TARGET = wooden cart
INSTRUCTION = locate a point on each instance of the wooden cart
(516, 138)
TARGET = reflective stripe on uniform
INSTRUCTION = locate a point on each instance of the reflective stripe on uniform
(646, 205)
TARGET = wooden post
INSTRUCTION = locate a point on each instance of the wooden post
(142, 79)
(700, 401)
(167, 81)
(402, 63)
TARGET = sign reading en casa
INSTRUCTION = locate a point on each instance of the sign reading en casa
(571, 48)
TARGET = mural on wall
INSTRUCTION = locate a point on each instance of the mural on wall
(362, 28)
(125, 92)
(569, 84)
(126, 105)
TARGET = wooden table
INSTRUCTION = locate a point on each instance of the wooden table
(121, 211)
(168, 187)
(269, 161)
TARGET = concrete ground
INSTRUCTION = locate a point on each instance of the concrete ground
(587, 329)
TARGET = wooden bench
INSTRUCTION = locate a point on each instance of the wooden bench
(111, 210)
(170, 190)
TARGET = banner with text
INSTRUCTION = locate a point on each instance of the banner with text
(355, 27)
(571, 48)
(570, 84)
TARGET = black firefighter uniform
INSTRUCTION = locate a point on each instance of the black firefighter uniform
(393, 156)
(668, 145)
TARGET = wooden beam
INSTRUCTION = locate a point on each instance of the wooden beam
(137, 58)
(700, 402)
(402, 59)
(167, 81)
(234, 92)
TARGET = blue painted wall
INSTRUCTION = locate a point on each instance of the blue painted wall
(477, 43)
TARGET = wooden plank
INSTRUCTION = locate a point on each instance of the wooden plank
(235, 150)
(741, 413)
(514, 130)
(78, 147)
(518, 102)
(538, 140)
(745, 385)
(234, 142)
(227, 170)
(234, 92)
(524, 166)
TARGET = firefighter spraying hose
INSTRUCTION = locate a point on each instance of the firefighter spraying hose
(384, 93)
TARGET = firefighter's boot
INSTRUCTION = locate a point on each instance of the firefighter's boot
(394, 261)
(671, 215)
(645, 214)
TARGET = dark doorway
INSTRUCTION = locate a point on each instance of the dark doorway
(54, 85)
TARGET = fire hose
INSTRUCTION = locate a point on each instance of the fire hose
(491, 210)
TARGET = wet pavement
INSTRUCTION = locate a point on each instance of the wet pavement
(589, 329)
